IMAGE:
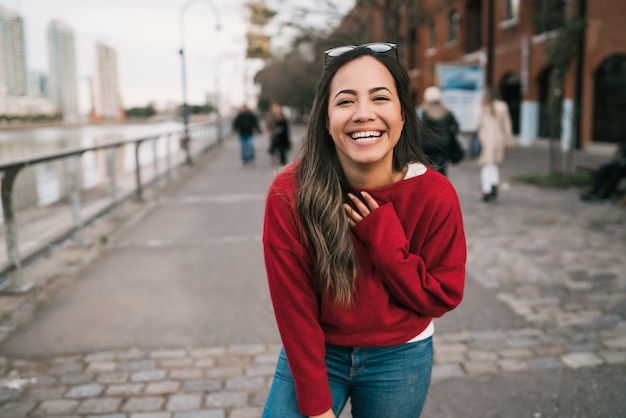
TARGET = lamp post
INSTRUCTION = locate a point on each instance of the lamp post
(182, 54)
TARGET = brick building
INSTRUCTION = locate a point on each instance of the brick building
(509, 39)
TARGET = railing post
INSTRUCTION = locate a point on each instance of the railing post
(13, 253)
(138, 171)
(73, 165)
(112, 176)
(155, 155)
(168, 154)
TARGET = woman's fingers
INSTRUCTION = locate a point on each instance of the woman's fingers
(371, 203)
(360, 208)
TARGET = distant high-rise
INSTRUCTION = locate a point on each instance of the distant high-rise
(106, 87)
(13, 72)
(62, 83)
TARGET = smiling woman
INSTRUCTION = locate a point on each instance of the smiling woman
(364, 245)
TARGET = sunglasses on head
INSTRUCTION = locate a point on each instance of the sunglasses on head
(378, 47)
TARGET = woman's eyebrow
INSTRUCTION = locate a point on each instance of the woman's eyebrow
(353, 92)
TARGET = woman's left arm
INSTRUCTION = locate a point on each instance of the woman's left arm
(431, 282)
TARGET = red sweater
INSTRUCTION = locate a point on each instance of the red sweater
(411, 253)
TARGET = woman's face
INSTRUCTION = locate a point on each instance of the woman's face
(364, 114)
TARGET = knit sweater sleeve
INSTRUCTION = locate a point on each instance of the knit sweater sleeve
(425, 272)
(296, 304)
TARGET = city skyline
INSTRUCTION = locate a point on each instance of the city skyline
(147, 39)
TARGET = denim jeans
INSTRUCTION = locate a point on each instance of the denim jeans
(247, 148)
(389, 382)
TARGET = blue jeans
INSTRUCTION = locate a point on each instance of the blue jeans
(389, 382)
(247, 148)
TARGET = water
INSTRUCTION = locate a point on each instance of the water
(19, 143)
(44, 184)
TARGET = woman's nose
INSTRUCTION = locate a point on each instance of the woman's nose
(363, 111)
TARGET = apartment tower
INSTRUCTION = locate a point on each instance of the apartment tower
(13, 72)
(62, 83)
(106, 86)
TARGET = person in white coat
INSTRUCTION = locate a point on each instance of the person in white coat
(495, 135)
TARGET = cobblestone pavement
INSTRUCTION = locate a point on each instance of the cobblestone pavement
(557, 263)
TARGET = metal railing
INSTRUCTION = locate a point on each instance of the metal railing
(164, 155)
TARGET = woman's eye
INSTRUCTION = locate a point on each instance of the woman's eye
(344, 101)
(379, 98)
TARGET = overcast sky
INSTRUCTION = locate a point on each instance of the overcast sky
(147, 36)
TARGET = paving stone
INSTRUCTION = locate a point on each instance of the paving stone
(143, 404)
(85, 391)
(545, 363)
(480, 367)
(76, 379)
(136, 365)
(129, 389)
(258, 397)
(9, 394)
(202, 385)
(224, 372)
(148, 375)
(244, 383)
(266, 359)
(113, 377)
(151, 415)
(216, 413)
(108, 416)
(17, 409)
(176, 363)
(132, 354)
(447, 370)
(482, 355)
(184, 402)
(53, 407)
(207, 352)
(53, 392)
(168, 354)
(615, 342)
(206, 362)
(65, 368)
(162, 388)
(613, 357)
(513, 365)
(99, 405)
(576, 360)
(186, 374)
(265, 370)
(103, 356)
(246, 349)
(102, 366)
(246, 413)
(226, 399)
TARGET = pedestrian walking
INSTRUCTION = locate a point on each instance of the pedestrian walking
(440, 143)
(246, 124)
(495, 136)
(280, 140)
(364, 245)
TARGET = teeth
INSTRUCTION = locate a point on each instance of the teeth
(366, 136)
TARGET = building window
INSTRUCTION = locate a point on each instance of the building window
(549, 15)
(511, 10)
(453, 26)
(473, 25)
(432, 35)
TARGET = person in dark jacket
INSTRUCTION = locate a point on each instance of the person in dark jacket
(607, 177)
(443, 127)
(245, 124)
(280, 142)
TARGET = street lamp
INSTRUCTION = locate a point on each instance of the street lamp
(182, 54)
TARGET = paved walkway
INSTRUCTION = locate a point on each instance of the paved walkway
(541, 331)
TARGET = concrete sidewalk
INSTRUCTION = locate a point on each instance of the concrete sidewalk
(169, 315)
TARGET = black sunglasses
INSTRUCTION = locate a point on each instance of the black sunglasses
(378, 47)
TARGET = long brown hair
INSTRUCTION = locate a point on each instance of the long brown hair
(323, 186)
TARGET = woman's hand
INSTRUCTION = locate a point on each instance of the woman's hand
(361, 208)
(327, 414)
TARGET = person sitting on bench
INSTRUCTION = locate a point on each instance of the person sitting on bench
(607, 177)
